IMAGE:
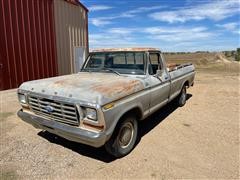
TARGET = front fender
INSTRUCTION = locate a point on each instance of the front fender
(113, 116)
(140, 100)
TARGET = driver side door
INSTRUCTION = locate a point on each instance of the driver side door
(160, 82)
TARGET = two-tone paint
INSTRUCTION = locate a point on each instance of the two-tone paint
(112, 95)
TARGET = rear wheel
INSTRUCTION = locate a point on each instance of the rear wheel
(124, 137)
(182, 97)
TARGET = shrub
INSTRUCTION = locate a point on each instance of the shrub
(237, 56)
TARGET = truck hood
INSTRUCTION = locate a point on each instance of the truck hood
(98, 88)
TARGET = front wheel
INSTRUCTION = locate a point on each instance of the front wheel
(182, 97)
(124, 137)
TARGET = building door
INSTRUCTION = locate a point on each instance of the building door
(79, 58)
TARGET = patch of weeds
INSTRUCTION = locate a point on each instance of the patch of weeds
(153, 175)
(5, 115)
(187, 125)
(8, 175)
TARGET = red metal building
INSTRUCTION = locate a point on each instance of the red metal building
(30, 43)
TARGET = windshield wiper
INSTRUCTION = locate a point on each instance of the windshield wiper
(110, 70)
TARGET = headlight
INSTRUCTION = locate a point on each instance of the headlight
(22, 98)
(91, 114)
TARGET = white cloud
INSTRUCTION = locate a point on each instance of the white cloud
(230, 26)
(215, 10)
(132, 13)
(101, 21)
(179, 34)
(150, 36)
(101, 40)
(165, 38)
(234, 27)
(121, 31)
(113, 37)
(99, 7)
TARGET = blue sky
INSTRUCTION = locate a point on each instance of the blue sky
(171, 25)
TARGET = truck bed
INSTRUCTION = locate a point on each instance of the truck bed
(173, 66)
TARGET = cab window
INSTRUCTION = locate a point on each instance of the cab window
(154, 63)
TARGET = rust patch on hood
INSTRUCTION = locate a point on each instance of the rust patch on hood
(119, 88)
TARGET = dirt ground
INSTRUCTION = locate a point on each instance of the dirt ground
(199, 140)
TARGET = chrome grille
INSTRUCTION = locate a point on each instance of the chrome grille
(54, 110)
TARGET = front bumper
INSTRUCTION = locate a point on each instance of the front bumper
(95, 139)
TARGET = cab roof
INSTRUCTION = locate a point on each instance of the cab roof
(135, 49)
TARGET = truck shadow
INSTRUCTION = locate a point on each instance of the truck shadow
(153, 120)
(145, 126)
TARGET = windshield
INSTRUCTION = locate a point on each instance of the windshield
(116, 62)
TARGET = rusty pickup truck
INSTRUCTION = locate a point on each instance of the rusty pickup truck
(103, 103)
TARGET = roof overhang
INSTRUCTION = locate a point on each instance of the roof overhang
(77, 3)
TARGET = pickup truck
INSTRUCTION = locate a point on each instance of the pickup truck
(103, 103)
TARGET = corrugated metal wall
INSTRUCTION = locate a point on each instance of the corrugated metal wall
(27, 41)
(71, 24)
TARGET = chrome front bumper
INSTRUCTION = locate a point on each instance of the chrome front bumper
(95, 139)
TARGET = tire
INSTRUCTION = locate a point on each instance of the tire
(124, 137)
(182, 97)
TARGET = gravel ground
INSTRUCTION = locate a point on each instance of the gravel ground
(199, 140)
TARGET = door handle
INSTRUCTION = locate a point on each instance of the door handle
(1, 66)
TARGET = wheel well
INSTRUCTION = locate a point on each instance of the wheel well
(135, 111)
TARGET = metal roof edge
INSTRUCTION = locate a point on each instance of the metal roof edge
(77, 3)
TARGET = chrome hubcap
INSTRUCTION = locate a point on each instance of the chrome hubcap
(125, 135)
